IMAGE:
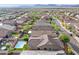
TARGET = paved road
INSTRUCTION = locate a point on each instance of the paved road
(36, 52)
(74, 43)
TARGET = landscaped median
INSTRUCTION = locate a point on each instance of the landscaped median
(66, 39)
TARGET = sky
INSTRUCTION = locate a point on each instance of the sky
(8, 3)
(39, 1)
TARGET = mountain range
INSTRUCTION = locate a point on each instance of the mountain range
(37, 5)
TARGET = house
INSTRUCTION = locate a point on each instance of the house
(7, 27)
(68, 19)
(45, 16)
(43, 37)
(76, 26)
(9, 22)
(77, 16)
(21, 20)
(45, 42)
(4, 33)
(11, 41)
(1, 18)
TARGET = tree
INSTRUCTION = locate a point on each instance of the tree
(8, 46)
(50, 18)
(26, 37)
(65, 39)
(10, 51)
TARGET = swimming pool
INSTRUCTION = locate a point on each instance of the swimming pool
(20, 44)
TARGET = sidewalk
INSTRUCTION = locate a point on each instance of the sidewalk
(42, 52)
(72, 49)
(75, 37)
(62, 26)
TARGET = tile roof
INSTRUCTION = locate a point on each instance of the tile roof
(3, 33)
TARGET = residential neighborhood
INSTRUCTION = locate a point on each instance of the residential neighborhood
(39, 31)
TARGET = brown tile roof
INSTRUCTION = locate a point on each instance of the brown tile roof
(11, 22)
(3, 33)
(46, 40)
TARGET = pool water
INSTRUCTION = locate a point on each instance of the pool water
(20, 44)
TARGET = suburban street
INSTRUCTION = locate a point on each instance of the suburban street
(73, 42)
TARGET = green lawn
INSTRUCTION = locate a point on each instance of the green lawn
(15, 34)
(25, 37)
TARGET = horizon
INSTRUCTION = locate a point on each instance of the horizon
(32, 5)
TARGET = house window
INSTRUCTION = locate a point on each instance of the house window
(38, 48)
(45, 48)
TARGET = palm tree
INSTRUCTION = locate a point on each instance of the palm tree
(65, 39)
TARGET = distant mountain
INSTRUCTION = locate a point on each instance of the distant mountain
(53, 5)
(36, 5)
(57, 5)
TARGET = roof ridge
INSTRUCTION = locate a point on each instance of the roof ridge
(43, 42)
